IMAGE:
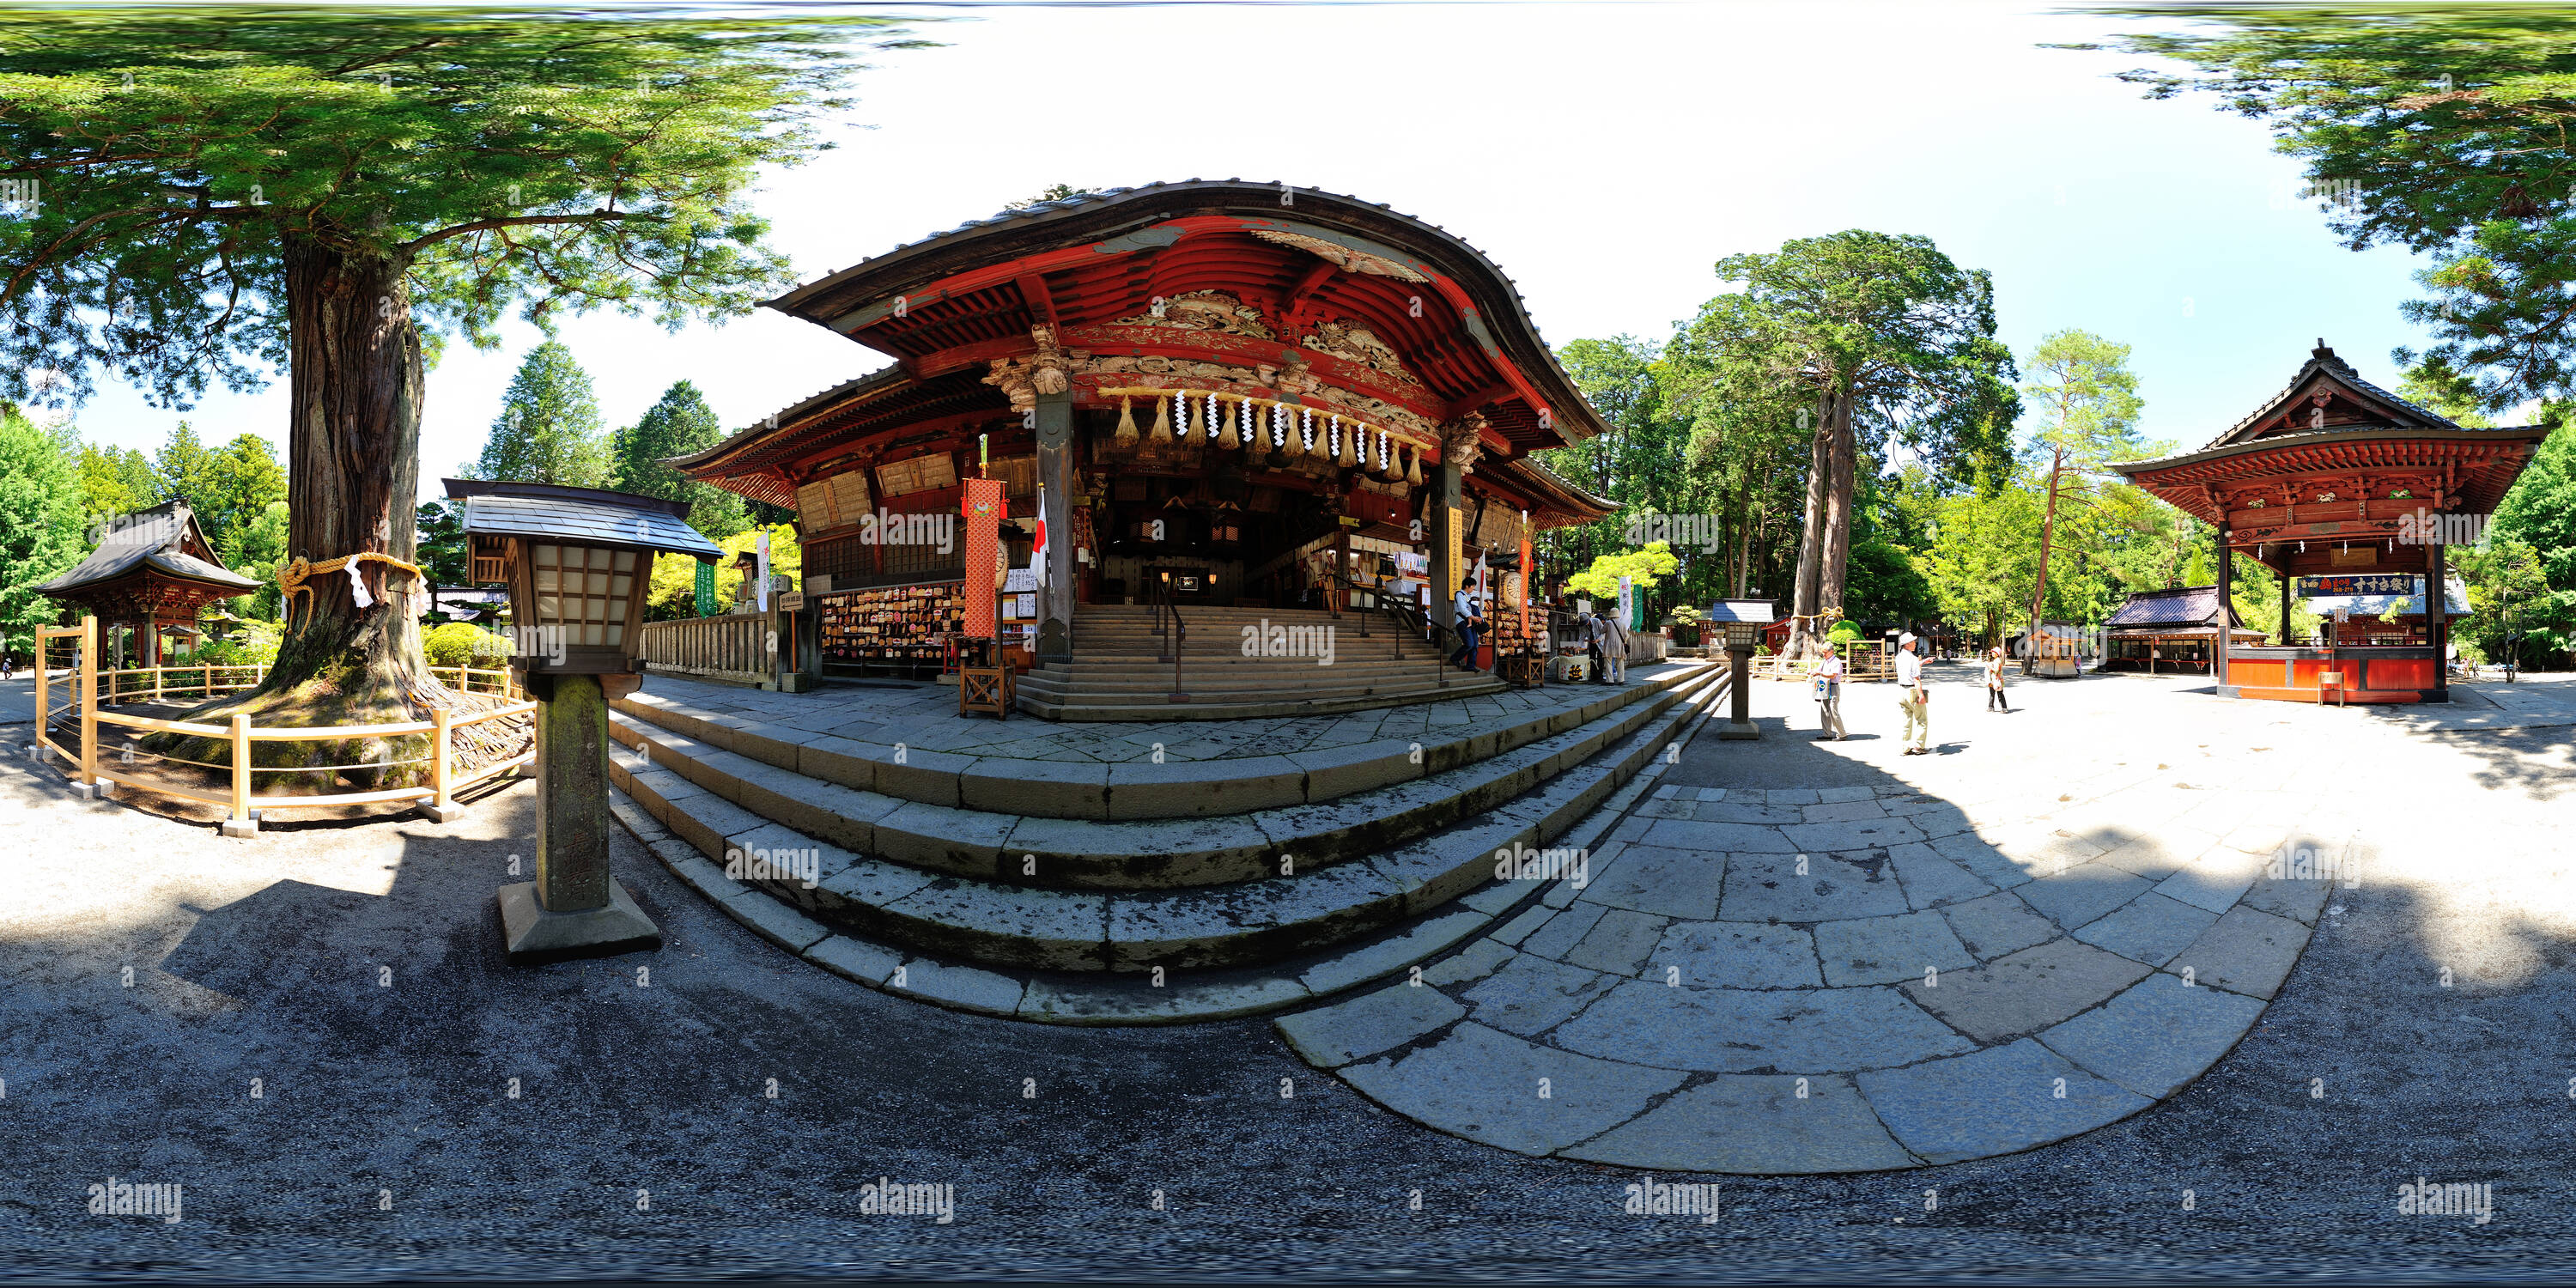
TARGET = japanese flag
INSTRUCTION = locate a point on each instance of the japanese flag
(1038, 553)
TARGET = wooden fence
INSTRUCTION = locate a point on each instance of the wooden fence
(244, 804)
(733, 648)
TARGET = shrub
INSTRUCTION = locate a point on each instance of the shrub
(463, 644)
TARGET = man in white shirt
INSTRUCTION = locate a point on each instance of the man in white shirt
(1829, 698)
(1911, 692)
(1464, 656)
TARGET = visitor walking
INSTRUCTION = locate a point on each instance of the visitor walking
(1913, 695)
(1995, 680)
(1614, 649)
(1829, 699)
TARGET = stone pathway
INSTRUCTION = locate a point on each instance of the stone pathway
(2046, 928)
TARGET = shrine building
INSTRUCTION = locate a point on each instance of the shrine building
(150, 575)
(2343, 489)
(1232, 405)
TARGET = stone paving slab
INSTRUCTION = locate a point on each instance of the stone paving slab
(1507, 1091)
(2247, 951)
(1754, 1125)
(1888, 950)
(2150, 929)
(1725, 1030)
(2027, 991)
(2060, 890)
(2154, 1038)
(1997, 1101)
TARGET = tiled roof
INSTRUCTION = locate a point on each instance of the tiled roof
(156, 538)
(583, 521)
(2177, 606)
(2322, 358)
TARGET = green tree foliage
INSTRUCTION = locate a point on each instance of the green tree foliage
(1639, 465)
(228, 191)
(680, 423)
(2527, 577)
(1891, 345)
(256, 549)
(2087, 402)
(1643, 567)
(548, 429)
(2440, 128)
(116, 481)
(443, 552)
(225, 487)
(40, 524)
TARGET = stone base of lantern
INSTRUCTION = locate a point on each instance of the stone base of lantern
(534, 934)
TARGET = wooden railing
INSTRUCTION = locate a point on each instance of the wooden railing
(446, 777)
(734, 647)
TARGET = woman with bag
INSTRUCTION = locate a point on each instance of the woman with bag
(1995, 680)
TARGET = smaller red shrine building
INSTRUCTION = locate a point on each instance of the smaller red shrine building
(152, 571)
(2341, 487)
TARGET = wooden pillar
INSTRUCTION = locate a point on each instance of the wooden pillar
(2437, 620)
(1441, 522)
(1055, 475)
(2226, 611)
(2286, 580)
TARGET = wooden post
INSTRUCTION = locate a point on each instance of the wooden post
(88, 681)
(1055, 482)
(2226, 609)
(2437, 621)
(206, 691)
(241, 823)
(441, 807)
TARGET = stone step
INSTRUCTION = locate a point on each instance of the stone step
(1151, 708)
(1263, 686)
(1100, 998)
(987, 839)
(994, 927)
(1139, 789)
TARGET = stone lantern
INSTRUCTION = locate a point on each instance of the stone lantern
(1741, 621)
(579, 564)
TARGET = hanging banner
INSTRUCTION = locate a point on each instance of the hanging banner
(706, 588)
(1529, 579)
(2363, 583)
(1038, 553)
(982, 508)
(1457, 551)
(760, 593)
(1627, 603)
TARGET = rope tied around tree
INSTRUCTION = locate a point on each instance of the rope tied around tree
(292, 576)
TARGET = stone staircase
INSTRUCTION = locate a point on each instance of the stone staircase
(1087, 917)
(1229, 669)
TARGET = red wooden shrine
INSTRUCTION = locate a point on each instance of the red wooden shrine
(2336, 478)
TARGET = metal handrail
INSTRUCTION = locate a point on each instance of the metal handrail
(1174, 632)
(1407, 621)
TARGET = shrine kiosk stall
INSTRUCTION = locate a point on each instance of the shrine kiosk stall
(2173, 631)
(2336, 478)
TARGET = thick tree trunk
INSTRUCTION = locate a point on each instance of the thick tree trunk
(2047, 529)
(1838, 512)
(1803, 601)
(355, 382)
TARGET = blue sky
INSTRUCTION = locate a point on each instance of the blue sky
(1605, 154)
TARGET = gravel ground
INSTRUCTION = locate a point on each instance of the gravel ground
(385, 1143)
